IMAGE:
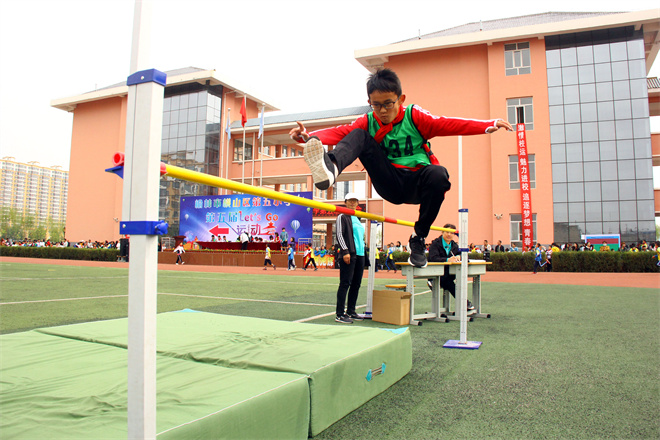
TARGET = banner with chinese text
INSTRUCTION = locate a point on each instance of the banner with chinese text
(527, 225)
(228, 216)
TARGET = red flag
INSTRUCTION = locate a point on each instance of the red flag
(243, 113)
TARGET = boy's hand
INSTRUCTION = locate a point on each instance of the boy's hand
(299, 134)
(501, 123)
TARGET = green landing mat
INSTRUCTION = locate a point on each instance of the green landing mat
(59, 388)
(346, 365)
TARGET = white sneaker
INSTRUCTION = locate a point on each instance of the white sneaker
(323, 170)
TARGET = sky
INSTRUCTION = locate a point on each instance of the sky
(295, 55)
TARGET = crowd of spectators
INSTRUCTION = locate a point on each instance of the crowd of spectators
(486, 248)
(89, 244)
(641, 246)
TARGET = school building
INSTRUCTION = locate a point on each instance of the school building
(577, 80)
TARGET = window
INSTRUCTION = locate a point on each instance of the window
(238, 151)
(284, 150)
(514, 182)
(517, 60)
(319, 194)
(520, 110)
(515, 222)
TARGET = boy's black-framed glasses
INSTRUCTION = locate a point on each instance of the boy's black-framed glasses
(388, 105)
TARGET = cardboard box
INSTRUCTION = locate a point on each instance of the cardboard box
(391, 307)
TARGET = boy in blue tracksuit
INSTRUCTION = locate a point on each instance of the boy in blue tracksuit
(538, 257)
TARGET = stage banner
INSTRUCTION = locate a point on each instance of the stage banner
(327, 261)
(228, 216)
(525, 191)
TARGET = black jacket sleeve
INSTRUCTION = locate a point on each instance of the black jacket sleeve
(344, 231)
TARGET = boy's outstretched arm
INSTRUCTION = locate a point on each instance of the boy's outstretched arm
(431, 126)
(329, 136)
(299, 133)
(501, 123)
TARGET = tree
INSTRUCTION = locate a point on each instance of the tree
(11, 223)
(39, 232)
(55, 230)
(29, 224)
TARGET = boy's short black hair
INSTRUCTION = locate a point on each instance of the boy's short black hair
(384, 80)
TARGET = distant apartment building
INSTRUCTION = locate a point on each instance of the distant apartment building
(34, 190)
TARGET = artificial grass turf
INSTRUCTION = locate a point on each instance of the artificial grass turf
(564, 362)
(587, 369)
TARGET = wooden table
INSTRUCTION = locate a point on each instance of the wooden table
(434, 271)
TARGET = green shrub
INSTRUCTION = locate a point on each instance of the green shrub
(639, 262)
(570, 261)
(573, 261)
(564, 261)
(58, 253)
(508, 261)
(400, 257)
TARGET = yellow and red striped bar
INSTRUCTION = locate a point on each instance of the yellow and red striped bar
(219, 182)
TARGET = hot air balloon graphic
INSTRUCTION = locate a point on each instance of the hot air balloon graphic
(295, 225)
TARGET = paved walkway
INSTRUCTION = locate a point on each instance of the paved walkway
(649, 280)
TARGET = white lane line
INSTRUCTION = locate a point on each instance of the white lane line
(249, 300)
(62, 278)
(62, 299)
(311, 318)
(251, 280)
(170, 294)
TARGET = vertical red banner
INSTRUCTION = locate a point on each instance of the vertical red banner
(525, 189)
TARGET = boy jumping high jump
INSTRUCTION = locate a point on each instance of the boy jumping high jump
(391, 143)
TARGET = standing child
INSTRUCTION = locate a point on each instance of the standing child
(548, 257)
(292, 263)
(309, 253)
(267, 261)
(179, 251)
(538, 257)
(389, 261)
(391, 142)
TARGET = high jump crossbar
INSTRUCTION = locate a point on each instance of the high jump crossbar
(219, 182)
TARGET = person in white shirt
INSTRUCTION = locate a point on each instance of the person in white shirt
(179, 251)
(245, 239)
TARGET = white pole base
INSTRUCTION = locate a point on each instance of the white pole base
(468, 345)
